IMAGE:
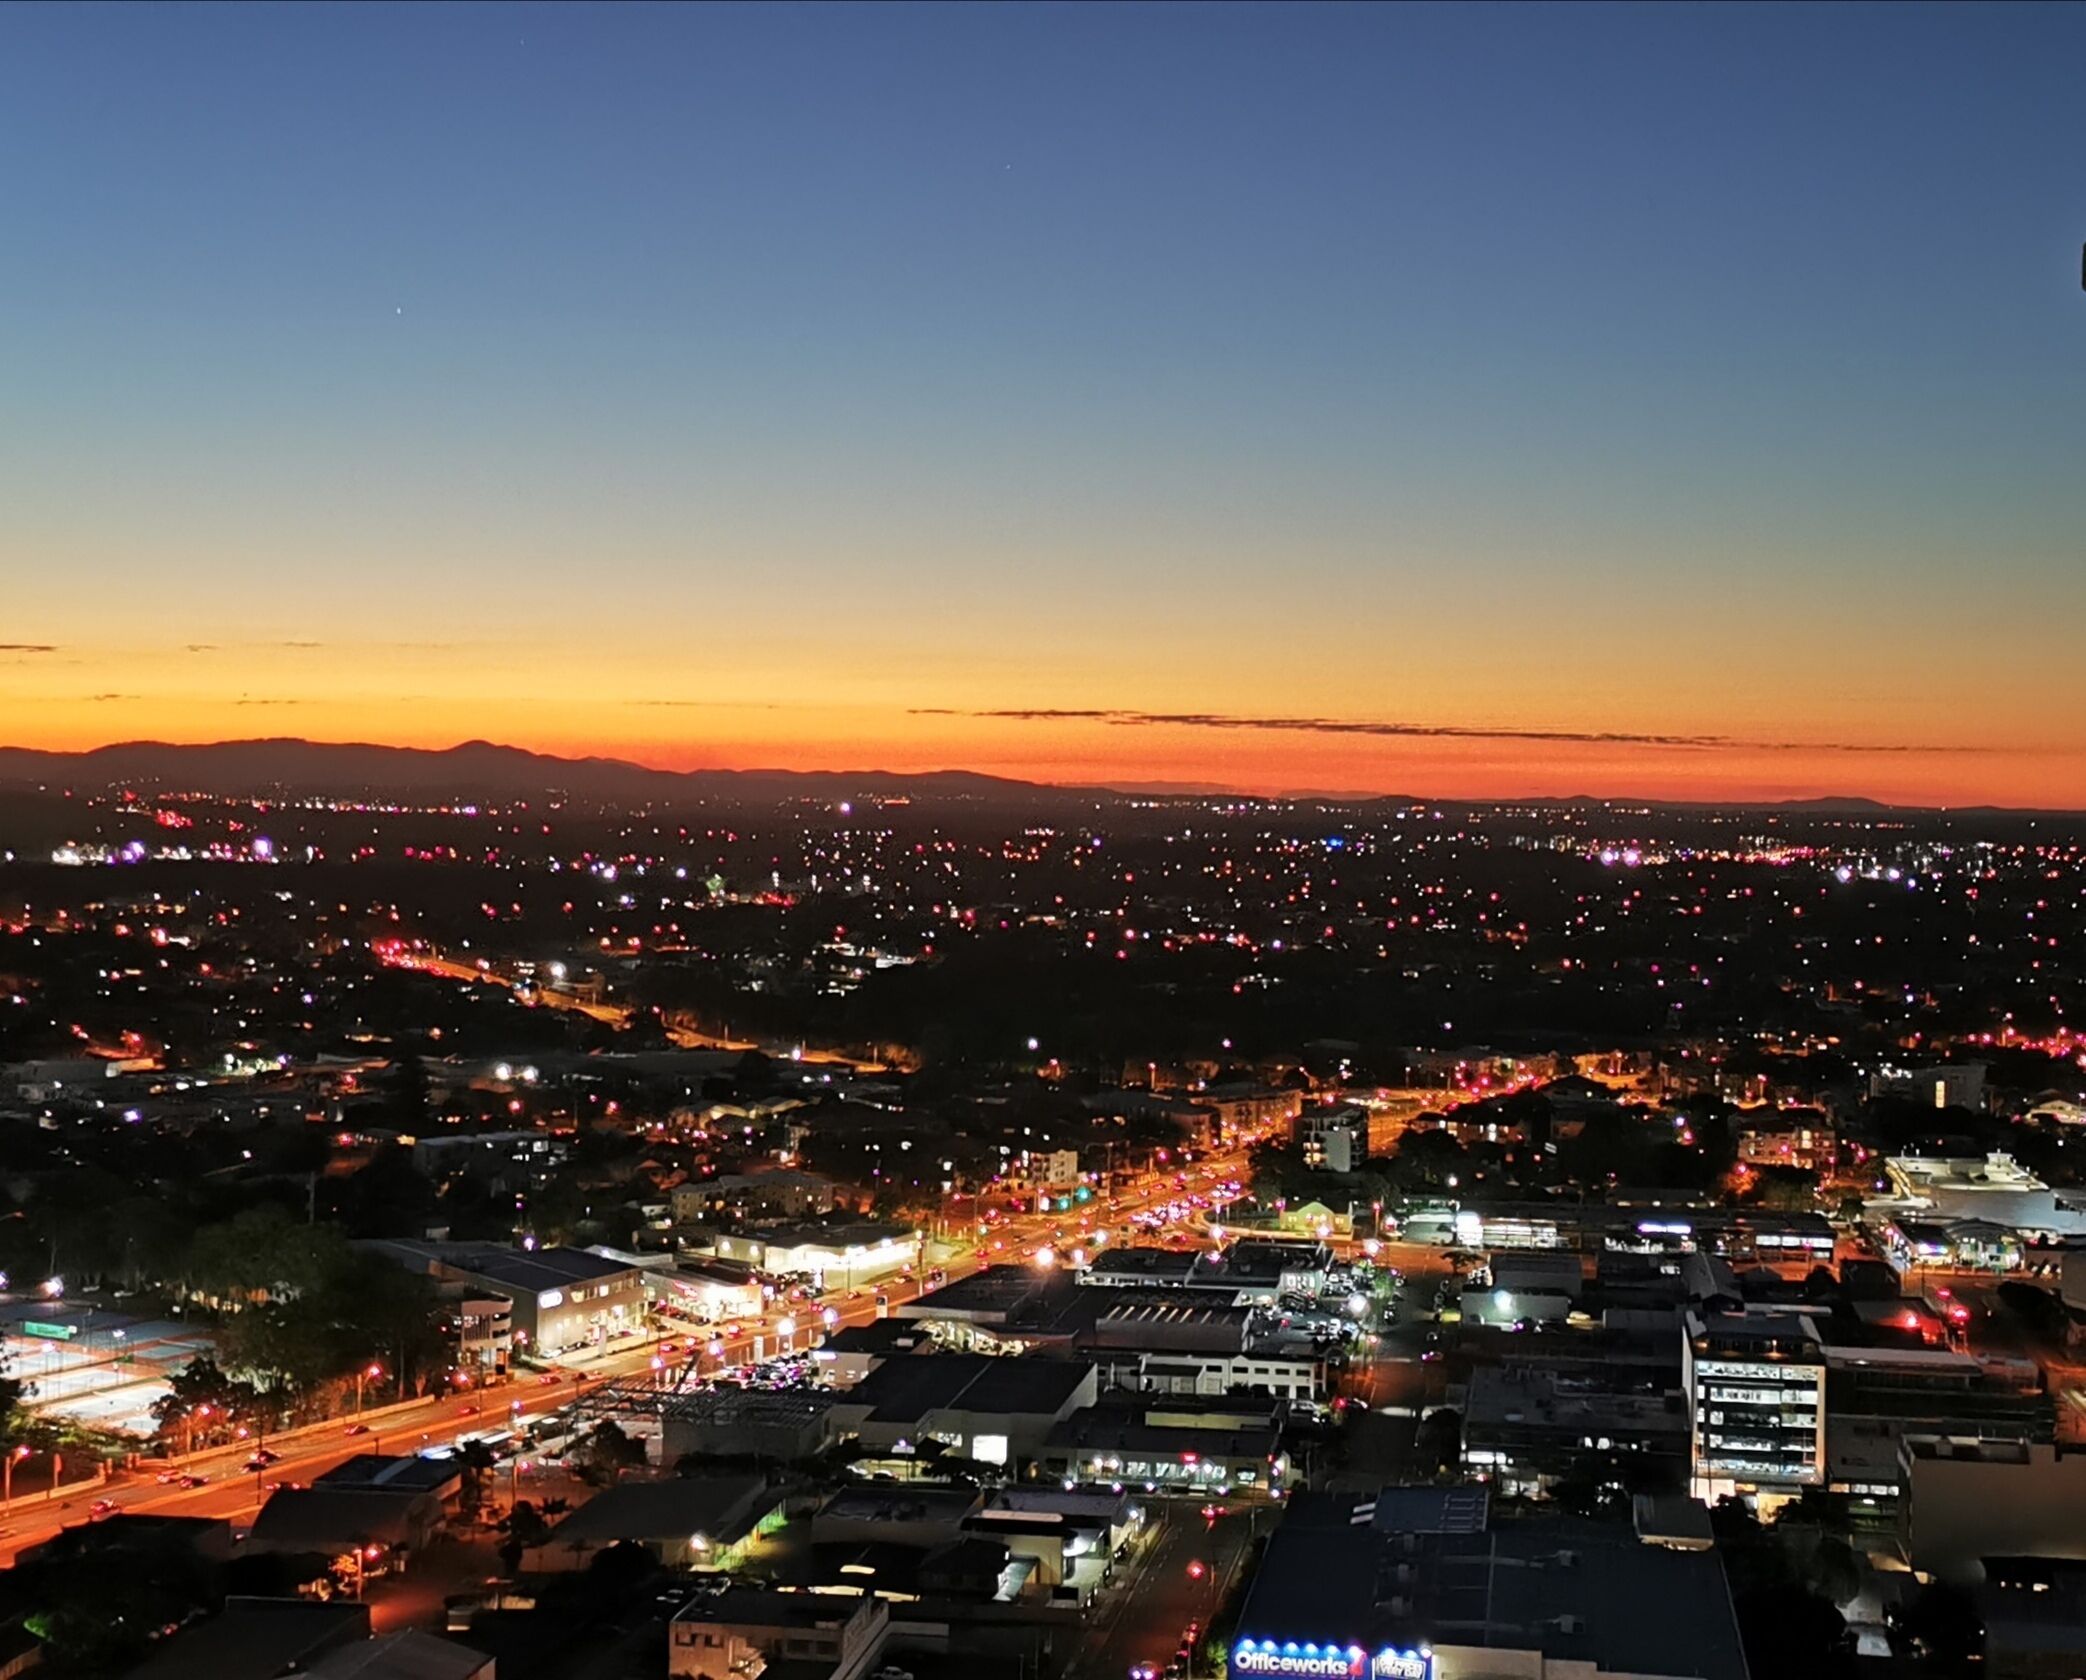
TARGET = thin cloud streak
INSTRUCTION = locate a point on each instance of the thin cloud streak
(1123, 718)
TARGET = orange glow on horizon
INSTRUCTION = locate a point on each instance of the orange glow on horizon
(1653, 736)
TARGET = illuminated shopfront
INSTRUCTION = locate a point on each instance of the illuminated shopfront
(1290, 1660)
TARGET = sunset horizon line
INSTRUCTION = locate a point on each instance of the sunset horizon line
(1154, 785)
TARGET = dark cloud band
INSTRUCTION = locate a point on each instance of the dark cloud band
(1382, 729)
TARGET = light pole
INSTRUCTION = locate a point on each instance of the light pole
(368, 1374)
(14, 1457)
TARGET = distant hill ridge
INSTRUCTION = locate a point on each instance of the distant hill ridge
(486, 769)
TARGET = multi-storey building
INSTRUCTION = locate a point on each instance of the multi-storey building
(1755, 1383)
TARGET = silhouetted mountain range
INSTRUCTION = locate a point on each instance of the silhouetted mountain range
(483, 769)
(474, 769)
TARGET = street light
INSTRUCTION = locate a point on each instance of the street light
(7, 1470)
(369, 1374)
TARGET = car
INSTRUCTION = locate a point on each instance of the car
(101, 1508)
(549, 1378)
(1144, 1671)
(468, 1411)
(167, 1476)
(356, 1429)
(264, 1455)
(257, 1463)
(191, 1481)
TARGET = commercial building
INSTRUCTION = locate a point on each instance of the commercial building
(483, 1324)
(1259, 1272)
(1527, 1426)
(1755, 1384)
(1877, 1396)
(708, 1291)
(1427, 1588)
(698, 1522)
(1175, 1443)
(1109, 1520)
(994, 1410)
(2034, 1615)
(1336, 1138)
(1976, 1211)
(1949, 1085)
(1141, 1268)
(1228, 1374)
(1241, 1107)
(783, 1193)
(561, 1299)
(1787, 1137)
(831, 1256)
(1741, 1235)
(404, 1656)
(1253, 1271)
(1179, 1340)
(98, 1544)
(516, 1158)
(1965, 1501)
(745, 1631)
(895, 1514)
(257, 1639)
(384, 1527)
(848, 1355)
(776, 1426)
(437, 1473)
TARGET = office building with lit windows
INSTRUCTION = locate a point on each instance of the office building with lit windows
(1755, 1383)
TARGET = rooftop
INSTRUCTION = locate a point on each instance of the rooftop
(1547, 1397)
(1578, 1592)
(719, 1507)
(907, 1390)
(392, 1474)
(402, 1656)
(727, 1408)
(900, 1502)
(532, 1269)
(326, 1519)
(256, 1639)
(746, 1606)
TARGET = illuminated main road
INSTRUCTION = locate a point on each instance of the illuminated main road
(397, 954)
(235, 1493)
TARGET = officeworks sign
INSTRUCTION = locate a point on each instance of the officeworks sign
(1292, 1661)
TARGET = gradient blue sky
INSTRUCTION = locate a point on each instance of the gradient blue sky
(790, 384)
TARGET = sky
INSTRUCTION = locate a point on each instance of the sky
(1675, 401)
